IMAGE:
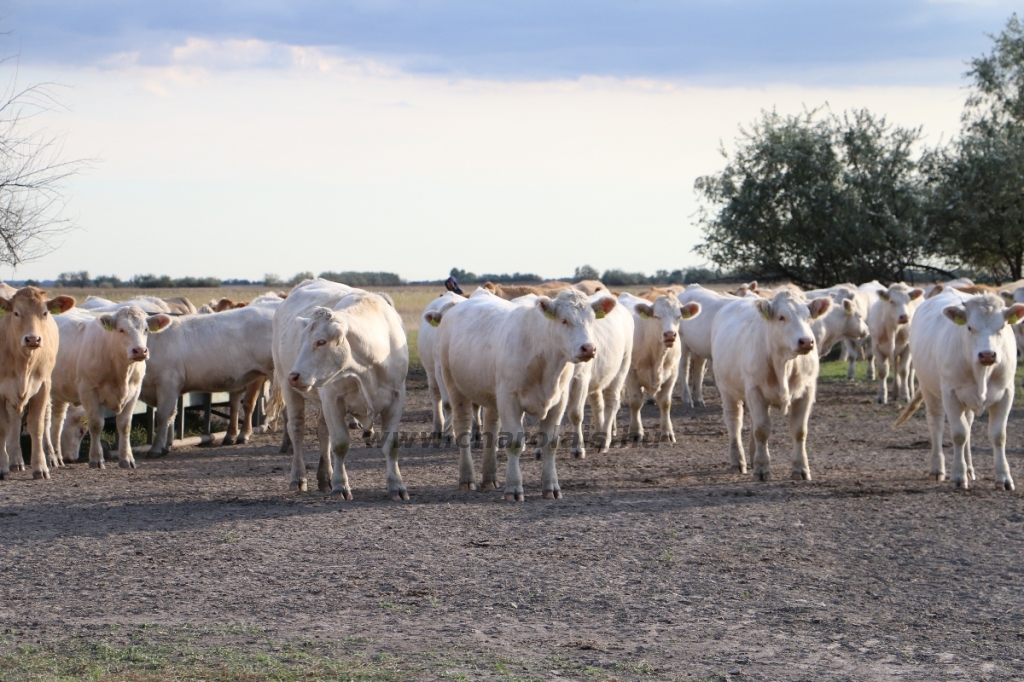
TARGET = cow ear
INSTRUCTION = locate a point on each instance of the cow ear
(916, 294)
(546, 306)
(109, 322)
(752, 285)
(432, 318)
(158, 322)
(764, 306)
(59, 305)
(848, 306)
(690, 310)
(956, 313)
(1014, 314)
(5, 306)
(603, 306)
(883, 294)
(644, 310)
(1007, 296)
(819, 306)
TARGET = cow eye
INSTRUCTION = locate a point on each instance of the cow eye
(122, 330)
(970, 329)
(320, 342)
(782, 318)
(566, 323)
(16, 314)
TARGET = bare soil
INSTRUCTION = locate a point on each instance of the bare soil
(658, 563)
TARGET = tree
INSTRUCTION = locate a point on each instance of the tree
(79, 279)
(817, 199)
(33, 175)
(977, 206)
(585, 272)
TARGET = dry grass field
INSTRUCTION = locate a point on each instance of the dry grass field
(658, 564)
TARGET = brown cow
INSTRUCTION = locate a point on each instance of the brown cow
(28, 351)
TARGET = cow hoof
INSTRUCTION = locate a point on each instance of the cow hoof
(552, 494)
(399, 495)
(538, 453)
(227, 440)
(69, 460)
(17, 467)
(579, 453)
(515, 497)
(324, 487)
(937, 477)
(156, 454)
(467, 486)
(668, 438)
(341, 494)
(881, 401)
(961, 483)
(127, 464)
(96, 465)
(488, 484)
(241, 440)
(5, 475)
(40, 475)
(737, 469)
(763, 476)
(299, 487)
(1004, 485)
(801, 476)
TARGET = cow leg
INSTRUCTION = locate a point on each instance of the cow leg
(53, 459)
(761, 426)
(391, 419)
(436, 404)
(685, 394)
(936, 427)
(490, 438)
(882, 367)
(844, 352)
(868, 351)
(511, 416)
(94, 422)
(37, 405)
(997, 416)
(664, 399)
(286, 441)
(478, 422)
(123, 420)
(58, 413)
(549, 428)
(334, 435)
(850, 351)
(462, 423)
(967, 446)
(959, 427)
(324, 465)
(904, 378)
(295, 404)
(635, 395)
(166, 409)
(698, 369)
(5, 427)
(14, 438)
(577, 400)
(252, 394)
(732, 414)
(799, 415)
(599, 434)
(235, 402)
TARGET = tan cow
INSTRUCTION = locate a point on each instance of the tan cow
(653, 293)
(28, 351)
(180, 305)
(510, 291)
(589, 286)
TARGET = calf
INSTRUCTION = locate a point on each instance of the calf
(654, 366)
(28, 347)
(426, 343)
(695, 350)
(515, 358)
(600, 381)
(100, 364)
(889, 323)
(764, 357)
(845, 320)
(345, 349)
(965, 361)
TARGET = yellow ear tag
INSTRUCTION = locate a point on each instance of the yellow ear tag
(1012, 319)
(2, 312)
(644, 316)
(960, 320)
(764, 314)
(84, 420)
(55, 310)
(549, 314)
(434, 322)
(849, 311)
(109, 327)
(600, 313)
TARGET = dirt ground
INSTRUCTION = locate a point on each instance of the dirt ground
(657, 564)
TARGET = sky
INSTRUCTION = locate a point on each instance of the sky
(236, 139)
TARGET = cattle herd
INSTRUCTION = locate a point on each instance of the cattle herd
(498, 356)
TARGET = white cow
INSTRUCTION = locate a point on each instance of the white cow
(515, 358)
(1011, 295)
(101, 361)
(889, 323)
(846, 319)
(965, 360)
(654, 366)
(229, 351)
(148, 304)
(764, 357)
(426, 343)
(695, 349)
(601, 380)
(345, 349)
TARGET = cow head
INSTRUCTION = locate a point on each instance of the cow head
(76, 425)
(324, 350)
(28, 310)
(131, 328)
(787, 318)
(571, 317)
(668, 311)
(982, 318)
(854, 324)
(898, 302)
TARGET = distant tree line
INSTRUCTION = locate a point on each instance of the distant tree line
(821, 198)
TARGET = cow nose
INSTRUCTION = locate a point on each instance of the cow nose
(587, 351)
(805, 345)
(904, 319)
(987, 357)
(295, 379)
(140, 353)
(669, 338)
(33, 340)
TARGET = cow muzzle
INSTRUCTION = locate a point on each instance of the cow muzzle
(804, 345)
(138, 354)
(987, 358)
(903, 319)
(587, 352)
(669, 339)
(295, 381)
(32, 341)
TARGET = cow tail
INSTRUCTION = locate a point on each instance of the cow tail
(275, 405)
(911, 408)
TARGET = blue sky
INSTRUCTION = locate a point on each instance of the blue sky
(417, 136)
